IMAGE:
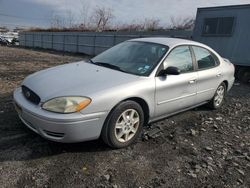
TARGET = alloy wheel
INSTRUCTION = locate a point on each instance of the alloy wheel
(127, 125)
(220, 92)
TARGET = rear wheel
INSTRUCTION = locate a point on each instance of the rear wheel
(123, 125)
(219, 96)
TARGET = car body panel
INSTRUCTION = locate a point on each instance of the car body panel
(207, 83)
(164, 95)
(174, 92)
(73, 127)
(75, 79)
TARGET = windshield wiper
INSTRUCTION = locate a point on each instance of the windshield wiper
(108, 66)
(90, 61)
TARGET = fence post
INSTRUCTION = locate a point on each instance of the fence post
(114, 40)
(94, 44)
(25, 43)
(77, 43)
(52, 39)
(42, 40)
(63, 43)
(33, 40)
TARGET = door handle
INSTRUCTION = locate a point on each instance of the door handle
(192, 81)
(218, 75)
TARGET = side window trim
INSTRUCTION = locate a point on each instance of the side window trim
(195, 65)
(216, 59)
(162, 63)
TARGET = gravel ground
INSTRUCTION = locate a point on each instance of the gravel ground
(197, 148)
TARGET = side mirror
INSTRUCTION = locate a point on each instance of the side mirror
(170, 71)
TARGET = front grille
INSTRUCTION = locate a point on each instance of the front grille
(30, 95)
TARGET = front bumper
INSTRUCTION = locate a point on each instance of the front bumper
(67, 128)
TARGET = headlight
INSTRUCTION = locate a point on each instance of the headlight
(66, 104)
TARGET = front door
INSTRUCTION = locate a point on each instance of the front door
(176, 92)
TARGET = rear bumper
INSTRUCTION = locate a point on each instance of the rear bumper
(230, 83)
(67, 128)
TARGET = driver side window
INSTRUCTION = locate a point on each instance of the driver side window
(181, 58)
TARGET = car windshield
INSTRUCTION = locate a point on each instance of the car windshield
(139, 58)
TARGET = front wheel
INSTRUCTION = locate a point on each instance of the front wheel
(219, 96)
(123, 125)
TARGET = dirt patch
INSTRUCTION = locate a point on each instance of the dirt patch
(198, 148)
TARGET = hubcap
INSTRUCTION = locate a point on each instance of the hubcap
(127, 125)
(219, 95)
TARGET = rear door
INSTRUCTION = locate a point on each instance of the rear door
(176, 92)
(209, 73)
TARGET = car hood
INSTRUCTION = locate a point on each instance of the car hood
(75, 79)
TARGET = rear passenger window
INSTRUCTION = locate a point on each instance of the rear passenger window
(204, 58)
(181, 58)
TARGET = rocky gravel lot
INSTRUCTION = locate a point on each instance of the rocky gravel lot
(198, 148)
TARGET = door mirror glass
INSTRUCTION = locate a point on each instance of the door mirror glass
(170, 71)
(181, 58)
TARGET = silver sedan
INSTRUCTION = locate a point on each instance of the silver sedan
(117, 92)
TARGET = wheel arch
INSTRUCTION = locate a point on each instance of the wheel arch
(141, 102)
(226, 83)
(144, 106)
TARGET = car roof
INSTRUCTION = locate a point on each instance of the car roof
(170, 42)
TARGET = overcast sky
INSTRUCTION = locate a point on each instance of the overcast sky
(39, 12)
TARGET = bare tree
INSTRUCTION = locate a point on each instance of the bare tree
(84, 15)
(57, 21)
(70, 19)
(134, 26)
(151, 24)
(101, 18)
(182, 23)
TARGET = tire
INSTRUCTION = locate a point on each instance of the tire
(123, 125)
(219, 96)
